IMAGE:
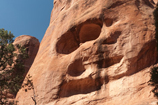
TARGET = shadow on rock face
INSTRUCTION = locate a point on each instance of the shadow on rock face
(82, 86)
(87, 31)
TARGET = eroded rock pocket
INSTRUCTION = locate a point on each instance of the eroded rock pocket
(112, 39)
(82, 86)
(76, 68)
(71, 40)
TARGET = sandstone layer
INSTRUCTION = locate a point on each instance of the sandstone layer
(95, 52)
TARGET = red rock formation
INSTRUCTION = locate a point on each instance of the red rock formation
(95, 52)
(32, 45)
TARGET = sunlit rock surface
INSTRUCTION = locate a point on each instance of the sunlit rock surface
(32, 45)
(95, 52)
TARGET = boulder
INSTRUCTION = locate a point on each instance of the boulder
(95, 52)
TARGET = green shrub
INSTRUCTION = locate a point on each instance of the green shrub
(11, 66)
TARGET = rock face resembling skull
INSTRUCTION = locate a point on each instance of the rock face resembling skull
(90, 43)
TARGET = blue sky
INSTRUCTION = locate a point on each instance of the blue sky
(25, 17)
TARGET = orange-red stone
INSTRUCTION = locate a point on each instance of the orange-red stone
(95, 52)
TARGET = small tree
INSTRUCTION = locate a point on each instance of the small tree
(154, 80)
(11, 66)
(154, 71)
(28, 85)
(156, 24)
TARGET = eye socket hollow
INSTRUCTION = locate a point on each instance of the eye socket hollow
(67, 43)
(89, 31)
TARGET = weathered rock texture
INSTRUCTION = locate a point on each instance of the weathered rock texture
(95, 52)
(32, 45)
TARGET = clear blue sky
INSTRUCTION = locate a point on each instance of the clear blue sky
(25, 17)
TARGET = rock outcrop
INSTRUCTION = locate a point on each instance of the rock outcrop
(95, 52)
(32, 45)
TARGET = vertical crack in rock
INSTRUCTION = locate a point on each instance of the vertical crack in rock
(137, 3)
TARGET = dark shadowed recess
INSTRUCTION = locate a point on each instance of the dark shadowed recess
(154, 70)
(116, 4)
(147, 2)
(82, 86)
(76, 68)
(86, 31)
(104, 63)
(112, 39)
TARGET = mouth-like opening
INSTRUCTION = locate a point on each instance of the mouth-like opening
(82, 86)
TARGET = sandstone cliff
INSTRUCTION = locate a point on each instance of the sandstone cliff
(95, 52)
